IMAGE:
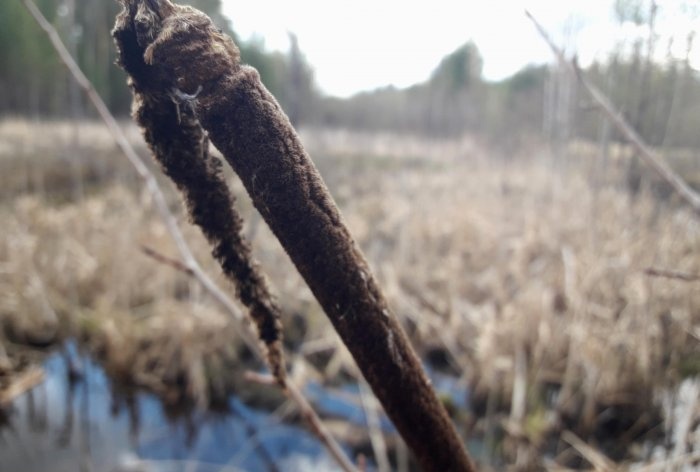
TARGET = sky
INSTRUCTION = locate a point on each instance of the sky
(365, 44)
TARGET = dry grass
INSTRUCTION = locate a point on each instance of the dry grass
(527, 282)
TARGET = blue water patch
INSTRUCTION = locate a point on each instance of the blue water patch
(343, 403)
(64, 425)
(70, 423)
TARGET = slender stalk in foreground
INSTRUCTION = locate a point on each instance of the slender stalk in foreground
(149, 180)
(181, 147)
(648, 155)
(189, 264)
(179, 49)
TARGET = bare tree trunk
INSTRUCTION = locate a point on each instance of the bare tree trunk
(674, 126)
(74, 96)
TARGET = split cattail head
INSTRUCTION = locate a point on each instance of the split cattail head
(166, 32)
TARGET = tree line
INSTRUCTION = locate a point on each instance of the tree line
(36, 84)
(661, 98)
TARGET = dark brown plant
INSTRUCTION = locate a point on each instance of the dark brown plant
(175, 51)
(180, 145)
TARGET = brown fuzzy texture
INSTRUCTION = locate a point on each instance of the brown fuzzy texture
(245, 122)
(181, 147)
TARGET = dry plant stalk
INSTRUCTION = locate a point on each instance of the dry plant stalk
(671, 274)
(176, 52)
(189, 264)
(142, 171)
(26, 381)
(181, 147)
(651, 158)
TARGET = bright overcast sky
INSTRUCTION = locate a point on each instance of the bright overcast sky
(364, 44)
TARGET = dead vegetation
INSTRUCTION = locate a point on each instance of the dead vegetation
(525, 282)
(175, 53)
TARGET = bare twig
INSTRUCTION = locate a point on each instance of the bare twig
(597, 459)
(370, 406)
(22, 383)
(189, 264)
(293, 391)
(144, 174)
(309, 415)
(671, 274)
(175, 264)
(648, 155)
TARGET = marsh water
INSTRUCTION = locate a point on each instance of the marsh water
(86, 424)
(89, 423)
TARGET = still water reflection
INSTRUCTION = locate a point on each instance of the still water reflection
(85, 425)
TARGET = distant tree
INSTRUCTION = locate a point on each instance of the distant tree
(298, 93)
(460, 69)
(27, 65)
(451, 106)
(34, 83)
(514, 107)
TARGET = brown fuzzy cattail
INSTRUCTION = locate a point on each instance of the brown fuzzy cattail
(181, 147)
(182, 47)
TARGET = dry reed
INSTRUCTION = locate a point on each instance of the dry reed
(510, 255)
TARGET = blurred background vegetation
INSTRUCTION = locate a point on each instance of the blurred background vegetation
(660, 97)
(510, 226)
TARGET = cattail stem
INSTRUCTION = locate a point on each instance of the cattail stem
(247, 125)
(179, 144)
(184, 51)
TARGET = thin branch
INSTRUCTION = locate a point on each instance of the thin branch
(596, 458)
(305, 409)
(648, 155)
(671, 274)
(175, 264)
(370, 406)
(189, 264)
(309, 415)
(21, 384)
(142, 171)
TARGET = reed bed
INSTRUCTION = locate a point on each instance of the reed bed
(522, 278)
